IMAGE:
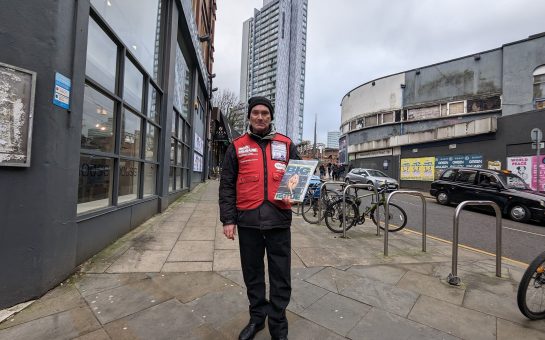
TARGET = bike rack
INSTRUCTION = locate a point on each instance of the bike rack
(387, 216)
(453, 278)
(322, 186)
(362, 186)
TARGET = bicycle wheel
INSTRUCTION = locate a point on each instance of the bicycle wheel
(531, 292)
(310, 210)
(398, 217)
(334, 215)
(296, 208)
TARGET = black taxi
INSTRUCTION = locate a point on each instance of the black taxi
(508, 190)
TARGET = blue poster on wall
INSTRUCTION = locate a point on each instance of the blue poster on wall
(468, 161)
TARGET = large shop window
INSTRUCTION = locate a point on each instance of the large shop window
(539, 88)
(180, 141)
(120, 125)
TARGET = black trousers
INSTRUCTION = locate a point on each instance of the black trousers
(277, 243)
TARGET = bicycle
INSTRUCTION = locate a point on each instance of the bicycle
(310, 208)
(531, 291)
(334, 213)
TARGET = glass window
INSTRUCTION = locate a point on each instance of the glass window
(153, 104)
(179, 178)
(152, 141)
(95, 183)
(150, 174)
(133, 85)
(101, 63)
(137, 23)
(179, 154)
(182, 84)
(539, 87)
(98, 122)
(130, 134)
(171, 179)
(449, 175)
(466, 176)
(172, 150)
(128, 181)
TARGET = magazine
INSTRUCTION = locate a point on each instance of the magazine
(296, 179)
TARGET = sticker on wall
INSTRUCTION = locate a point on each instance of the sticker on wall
(63, 85)
(418, 169)
(494, 165)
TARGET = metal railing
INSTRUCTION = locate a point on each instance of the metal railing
(453, 278)
(361, 186)
(387, 217)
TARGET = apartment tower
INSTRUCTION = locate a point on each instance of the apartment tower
(273, 61)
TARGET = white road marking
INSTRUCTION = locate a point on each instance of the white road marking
(524, 231)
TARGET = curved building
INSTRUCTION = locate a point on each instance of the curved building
(415, 123)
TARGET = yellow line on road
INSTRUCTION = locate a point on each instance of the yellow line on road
(519, 263)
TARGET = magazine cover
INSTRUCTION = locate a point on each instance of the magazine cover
(296, 180)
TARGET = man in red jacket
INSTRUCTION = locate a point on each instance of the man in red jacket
(252, 170)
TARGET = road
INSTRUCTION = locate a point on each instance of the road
(521, 241)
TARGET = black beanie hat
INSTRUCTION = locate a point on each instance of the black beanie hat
(259, 100)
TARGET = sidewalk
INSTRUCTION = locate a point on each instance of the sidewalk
(177, 277)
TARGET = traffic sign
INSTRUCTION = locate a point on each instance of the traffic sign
(541, 145)
(536, 135)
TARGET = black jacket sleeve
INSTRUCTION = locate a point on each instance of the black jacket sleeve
(293, 151)
(228, 187)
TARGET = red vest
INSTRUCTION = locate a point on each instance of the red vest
(259, 175)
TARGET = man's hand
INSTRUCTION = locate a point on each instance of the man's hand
(287, 200)
(230, 230)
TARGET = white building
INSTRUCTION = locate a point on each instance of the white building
(273, 61)
(333, 139)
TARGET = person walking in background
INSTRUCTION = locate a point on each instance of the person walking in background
(322, 171)
(329, 170)
(335, 172)
(253, 168)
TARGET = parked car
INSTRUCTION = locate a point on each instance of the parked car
(509, 191)
(371, 176)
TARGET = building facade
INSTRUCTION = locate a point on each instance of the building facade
(114, 97)
(273, 61)
(333, 139)
(415, 123)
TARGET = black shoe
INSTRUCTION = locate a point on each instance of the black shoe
(250, 331)
(280, 338)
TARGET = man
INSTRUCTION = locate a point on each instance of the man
(253, 168)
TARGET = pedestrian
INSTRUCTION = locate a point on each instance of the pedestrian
(322, 171)
(335, 172)
(341, 171)
(253, 167)
(329, 170)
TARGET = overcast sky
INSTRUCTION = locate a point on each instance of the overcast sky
(350, 42)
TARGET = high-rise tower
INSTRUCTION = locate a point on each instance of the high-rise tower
(273, 61)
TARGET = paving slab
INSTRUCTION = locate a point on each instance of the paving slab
(226, 260)
(65, 325)
(172, 227)
(139, 261)
(188, 286)
(115, 303)
(192, 251)
(336, 312)
(375, 293)
(459, 321)
(332, 279)
(432, 286)
(379, 324)
(168, 320)
(303, 295)
(386, 274)
(198, 233)
(58, 300)
(99, 334)
(180, 267)
(508, 330)
(92, 283)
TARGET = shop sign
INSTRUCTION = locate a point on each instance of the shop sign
(220, 134)
(494, 165)
(17, 89)
(526, 168)
(418, 169)
(61, 96)
(468, 161)
(377, 153)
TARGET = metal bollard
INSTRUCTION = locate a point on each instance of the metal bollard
(453, 278)
(387, 217)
